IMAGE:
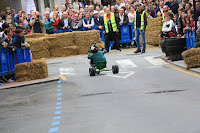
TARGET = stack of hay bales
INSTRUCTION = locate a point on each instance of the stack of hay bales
(63, 45)
(31, 71)
(192, 58)
(36, 35)
(39, 47)
(84, 39)
(153, 32)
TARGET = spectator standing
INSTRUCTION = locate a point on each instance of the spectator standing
(161, 4)
(56, 19)
(82, 3)
(97, 9)
(65, 22)
(88, 22)
(5, 27)
(38, 23)
(104, 2)
(77, 22)
(113, 9)
(154, 10)
(98, 4)
(98, 20)
(140, 26)
(119, 4)
(48, 24)
(180, 23)
(90, 2)
(16, 19)
(174, 6)
(87, 9)
(63, 8)
(91, 8)
(131, 15)
(198, 8)
(67, 4)
(111, 28)
(123, 18)
(76, 5)
(56, 8)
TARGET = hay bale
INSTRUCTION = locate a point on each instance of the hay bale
(63, 51)
(38, 44)
(192, 57)
(44, 53)
(62, 39)
(36, 35)
(153, 32)
(191, 52)
(84, 39)
(31, 71)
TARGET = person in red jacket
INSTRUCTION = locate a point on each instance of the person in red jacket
(56, 18)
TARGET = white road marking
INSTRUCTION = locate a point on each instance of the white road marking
(126, 63)
(128, 74)
(155, 61)
(67, 71)
(154, 67)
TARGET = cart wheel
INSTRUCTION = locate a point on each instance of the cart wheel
(92, 71)
(98, 72)
(115, 69)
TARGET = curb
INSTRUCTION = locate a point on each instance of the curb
(191, 70)
(29, 83)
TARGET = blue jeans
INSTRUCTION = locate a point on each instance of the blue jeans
(138, 32)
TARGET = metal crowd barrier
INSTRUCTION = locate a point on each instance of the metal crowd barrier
(190, 39)
(127, 34)
(8, 60)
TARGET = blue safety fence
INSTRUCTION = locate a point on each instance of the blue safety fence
(190, 39)
(9, 58)
(127, 34)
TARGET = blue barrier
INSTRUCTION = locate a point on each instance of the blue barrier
(8, 60)
(190, 39)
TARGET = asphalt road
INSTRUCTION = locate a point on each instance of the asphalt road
(145, 97)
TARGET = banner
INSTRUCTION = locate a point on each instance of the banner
(30, 5)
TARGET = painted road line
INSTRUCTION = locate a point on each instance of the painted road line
(58, 103)
(56, 129)
(127, 63)
(123, 75)
(59, 98)
(154, 67)
(58, 112)
(57, 118)
(58, 107)
(67, 71)
(184, 71)
(155, 61)
(61, 77)
(59, 94)
(59, 90)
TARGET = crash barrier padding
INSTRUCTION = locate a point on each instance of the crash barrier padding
(9, 58)
(190, 39)
(127, 34)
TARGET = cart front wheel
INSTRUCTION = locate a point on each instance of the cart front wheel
(92, 71)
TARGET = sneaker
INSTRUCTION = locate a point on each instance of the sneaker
(137, 51)
(119, 50)
(143, 51)
(127, 47)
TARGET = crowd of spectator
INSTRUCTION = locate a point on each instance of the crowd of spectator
(178, 16)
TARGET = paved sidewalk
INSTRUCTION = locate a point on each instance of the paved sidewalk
(33, 82)
(181, 64)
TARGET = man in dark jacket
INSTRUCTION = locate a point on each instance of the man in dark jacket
(174, 6)
(123, 18)
(66, 22)
(180, 23)
(98, 20)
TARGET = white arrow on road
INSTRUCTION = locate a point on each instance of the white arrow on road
(128, 74)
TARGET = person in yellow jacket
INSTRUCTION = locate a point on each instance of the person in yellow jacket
(140, 26)
(111, 28)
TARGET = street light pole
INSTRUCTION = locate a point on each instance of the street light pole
(12, 14)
